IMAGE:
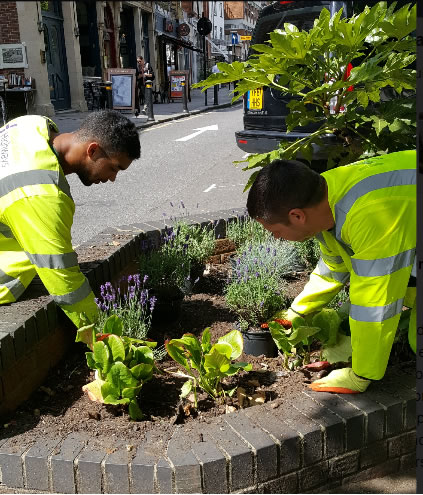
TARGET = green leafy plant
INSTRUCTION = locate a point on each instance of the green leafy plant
(207, 365)
(308, 251)
(245, 229)
(370, 110)
(122, 365)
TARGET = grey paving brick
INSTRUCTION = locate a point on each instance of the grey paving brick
(386, 468)
(89, 469)
(353, 418)
(62, 467)
(313, 476)
(17, 332)
(310, 432)
(344, 465)
(240, 456)
(133, 252)
(164, 476)
(142, 471)
(116, 471)
(7, 350)
(289, 440)
(401, 445)
(213, 464)
(51, 309)
(11, 469)
(398, 389)
(393, 407)
(374, 453)
(42, 323)
(263, 445)
(105, 265)
(31, 335)
(36, 463)
(407, 461)
(186, 466)
(374, 415)
(332, 425)
(287, 483)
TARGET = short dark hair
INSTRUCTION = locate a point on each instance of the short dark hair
(281, 186)
(114, 132)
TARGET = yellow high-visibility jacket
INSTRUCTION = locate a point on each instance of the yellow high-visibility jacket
(373, 246)
(36, 215)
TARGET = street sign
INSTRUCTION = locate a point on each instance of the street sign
(234, 38)
(245, 38)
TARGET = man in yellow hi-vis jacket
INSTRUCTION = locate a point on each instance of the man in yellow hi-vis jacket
(36, 206)
(364, 216)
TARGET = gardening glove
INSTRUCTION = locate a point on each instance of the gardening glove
(343, 381)
(289, 314)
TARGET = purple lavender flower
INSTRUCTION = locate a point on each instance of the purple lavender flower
(255, 261)
(153, 301)
(257, 274)
(103, 308)
(143, 298)
(98, 302)
(145, 279)
(261, 304)
(115, 306)
(238, 261)
(268, 250)
(129, 279)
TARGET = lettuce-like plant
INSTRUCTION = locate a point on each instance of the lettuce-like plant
(206, 364)
(123, 365)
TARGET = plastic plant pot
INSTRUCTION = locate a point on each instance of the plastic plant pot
(258, 341)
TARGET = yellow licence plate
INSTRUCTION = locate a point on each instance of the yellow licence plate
(255, 99)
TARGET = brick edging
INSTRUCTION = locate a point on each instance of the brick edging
(321, 441)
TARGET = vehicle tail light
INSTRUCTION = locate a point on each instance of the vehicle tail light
(283, 3)
(242, 141)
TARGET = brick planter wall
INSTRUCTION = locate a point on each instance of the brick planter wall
(319, 442)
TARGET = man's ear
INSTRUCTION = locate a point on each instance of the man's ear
(92, 149)
(297, 216)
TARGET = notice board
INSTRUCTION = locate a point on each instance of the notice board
(176, 77)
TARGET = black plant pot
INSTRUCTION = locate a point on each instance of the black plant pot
(195, 275)
(259, 341)
(167, 308)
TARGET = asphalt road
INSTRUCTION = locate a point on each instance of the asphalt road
(196, 173)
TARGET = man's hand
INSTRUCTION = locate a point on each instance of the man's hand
(343, 381)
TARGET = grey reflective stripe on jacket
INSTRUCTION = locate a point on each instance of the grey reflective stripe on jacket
(75, 296)
(375, 314)
(383, 180)
(332, 259)
(5, 230)
(54, 261)
(383, 266)
(14, 285)
(321, 239)
(34, 178)
(325, 271)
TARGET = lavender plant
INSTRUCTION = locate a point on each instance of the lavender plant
(245, 229)
(131, 302)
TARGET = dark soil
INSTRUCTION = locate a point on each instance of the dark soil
(60, 407)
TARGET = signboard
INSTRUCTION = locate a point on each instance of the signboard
(234, 37)
(176, 78)
(123, 88)
(245, 38)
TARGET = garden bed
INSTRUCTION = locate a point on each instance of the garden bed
(60, 441)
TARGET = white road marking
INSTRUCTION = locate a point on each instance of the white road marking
(199, 130)
(210, 188)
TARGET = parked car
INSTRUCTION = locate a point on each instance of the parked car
(265, 109)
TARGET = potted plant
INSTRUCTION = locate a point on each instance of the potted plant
(168, 271)
(255, 293)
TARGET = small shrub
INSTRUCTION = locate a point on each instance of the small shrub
(308, 252)
(245, 229)
(212, 363)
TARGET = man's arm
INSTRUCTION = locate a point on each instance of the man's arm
(42, 226)
(326, 280)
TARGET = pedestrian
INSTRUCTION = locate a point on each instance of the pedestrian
(36, 206)
(144, 73)
(364, 216)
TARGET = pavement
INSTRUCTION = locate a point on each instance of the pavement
(69, 120)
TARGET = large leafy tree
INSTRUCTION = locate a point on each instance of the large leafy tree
(371, 110)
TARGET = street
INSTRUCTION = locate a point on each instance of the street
(186, 163)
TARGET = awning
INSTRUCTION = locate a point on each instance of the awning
(179, 42)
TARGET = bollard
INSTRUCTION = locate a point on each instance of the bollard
(149, 101)
(216, 94)
(109, 94)
(184, 97)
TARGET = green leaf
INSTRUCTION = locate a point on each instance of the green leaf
(301, 333)
(144, 355)
(250, 181)
(235, 340)
(131, 392)
(378, 124)
(280, 337)
(223, 348)
(215, 360)
(110, 399)
(362, 98)
(186, 389)
(117, 348)
(193, 349)
(94, 390)
(109, 390)
(328, 320)
(177, 354)
(102, 356)
(134, 411)
(142, 371)
(121, 377)
(86, 335)
(113, 325)
(206, 341)
(340, 352)
(91, 361)
(235, 367)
